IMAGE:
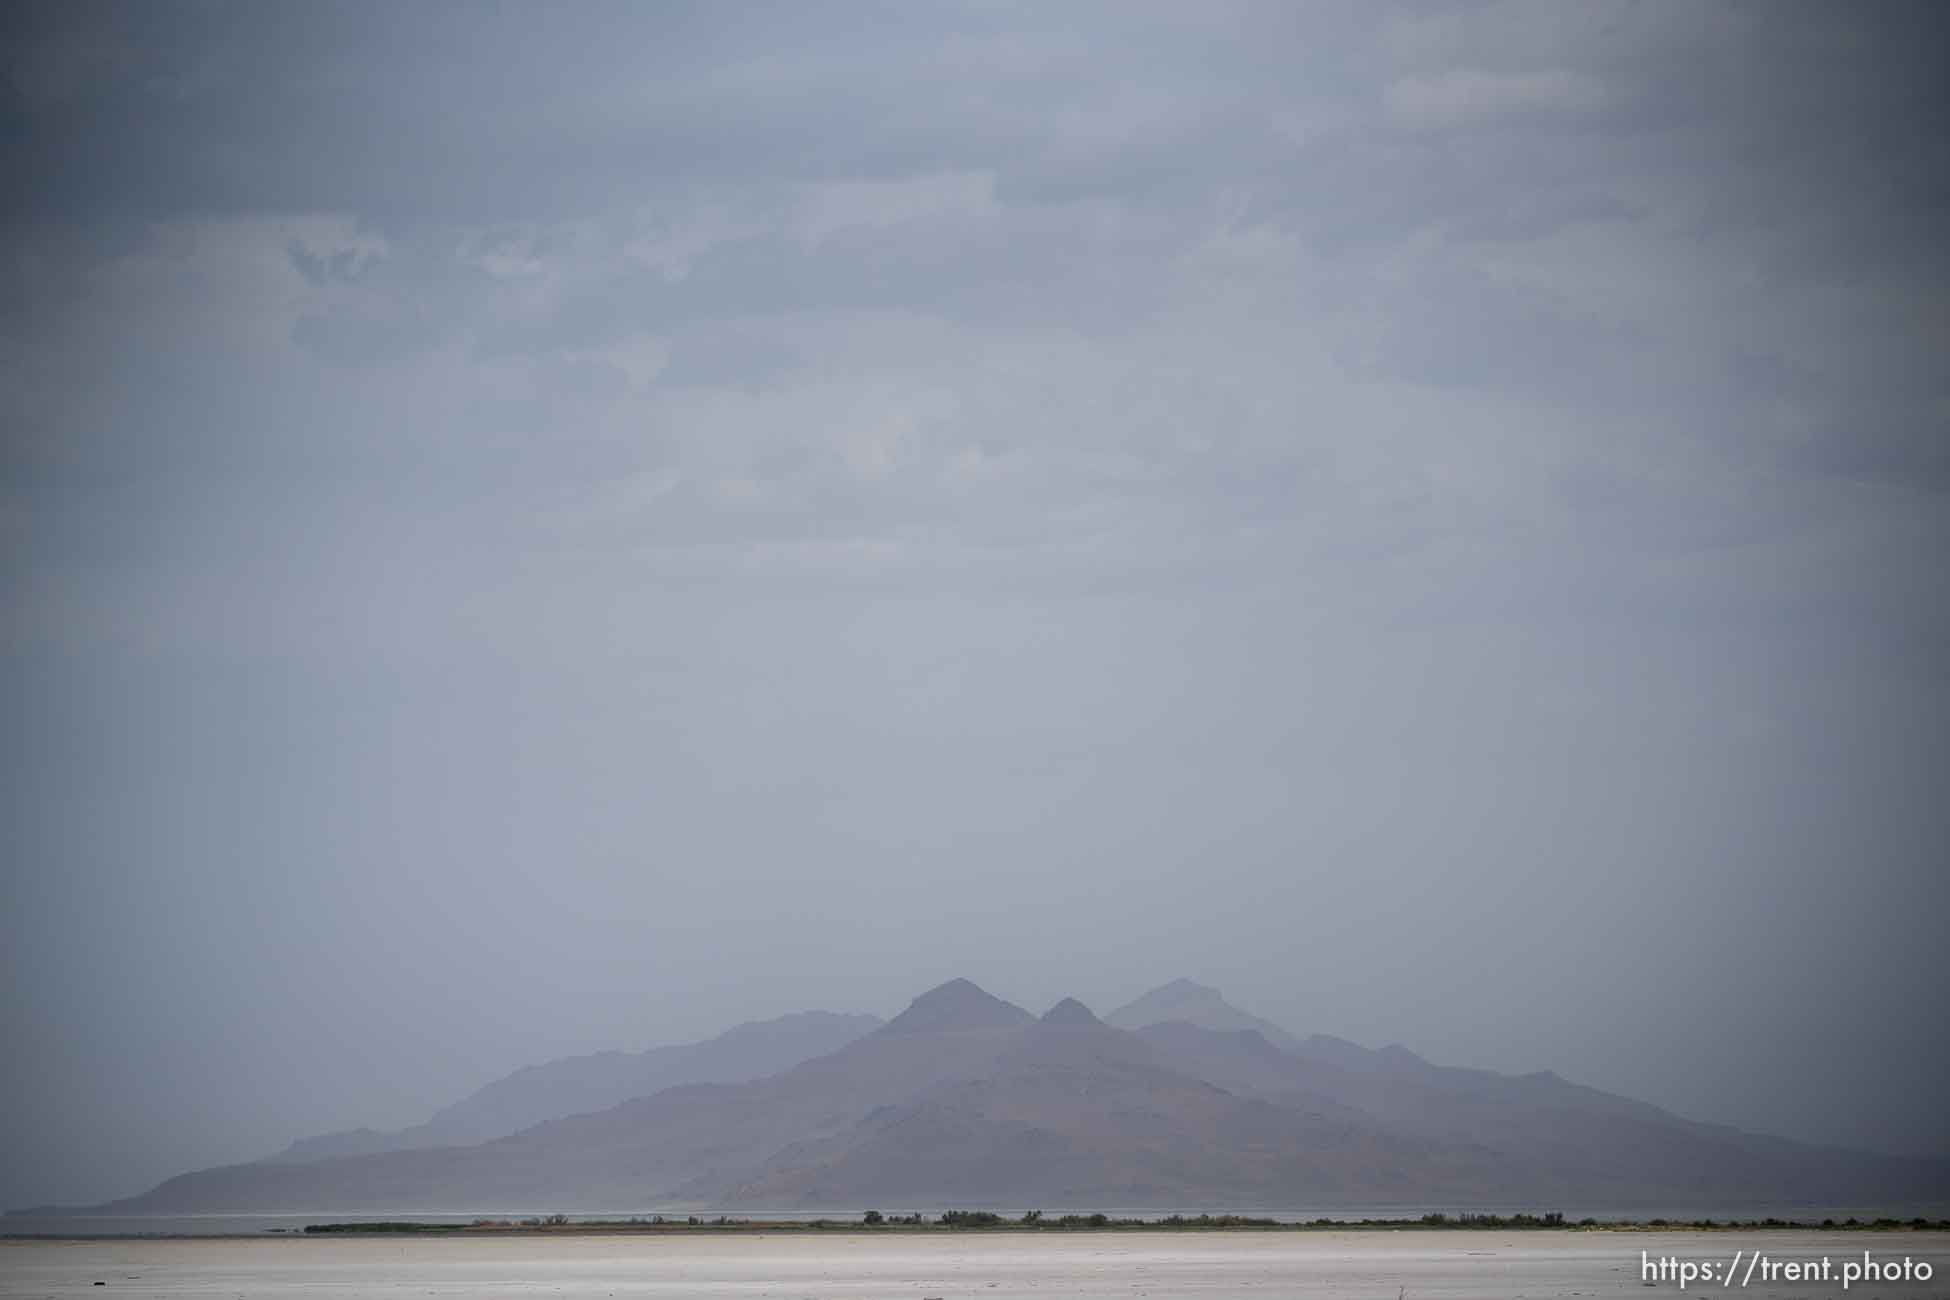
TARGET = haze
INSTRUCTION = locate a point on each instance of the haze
(535, 530)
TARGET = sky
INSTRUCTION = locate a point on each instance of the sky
(526, 530)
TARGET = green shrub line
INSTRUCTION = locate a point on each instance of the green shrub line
(1037, 1221)
(384, 1227)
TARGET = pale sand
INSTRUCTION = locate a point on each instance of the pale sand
(1003, 1266)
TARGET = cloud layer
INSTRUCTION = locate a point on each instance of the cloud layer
(671, 492)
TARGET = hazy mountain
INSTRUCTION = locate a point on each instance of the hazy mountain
(1074, 1112)
(1196, 1004)
(689, 1143)
(1204, 1006)
(1600, 1148)
(966, 1099)
(575, 1084)
(954, 1006)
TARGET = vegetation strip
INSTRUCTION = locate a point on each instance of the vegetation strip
(1037, 1221)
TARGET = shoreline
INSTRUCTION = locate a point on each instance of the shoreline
(818, 1227)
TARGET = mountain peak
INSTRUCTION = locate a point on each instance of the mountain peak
(1070, 1012)
(1198, 1004)
(1187, 988)
(1182, 999)
(958, 1004)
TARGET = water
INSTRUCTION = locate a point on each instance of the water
(1327, 1265)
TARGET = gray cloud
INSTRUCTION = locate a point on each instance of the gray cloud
(529, 533)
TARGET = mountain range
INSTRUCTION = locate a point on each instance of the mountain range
(1178, 1099)
(575, 1084)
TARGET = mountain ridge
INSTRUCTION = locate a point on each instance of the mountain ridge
(1200, 1004)
(965, 1099)
(595, 1081)
(958, 1004)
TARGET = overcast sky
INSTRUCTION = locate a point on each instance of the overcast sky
(534, 529)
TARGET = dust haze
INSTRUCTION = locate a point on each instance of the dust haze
(526, 532)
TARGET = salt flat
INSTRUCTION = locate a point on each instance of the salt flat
(1472, 1265)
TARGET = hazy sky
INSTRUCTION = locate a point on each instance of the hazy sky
(529, 529)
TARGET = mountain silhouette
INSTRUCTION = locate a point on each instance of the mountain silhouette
(575, 1085)
(965, 1099)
